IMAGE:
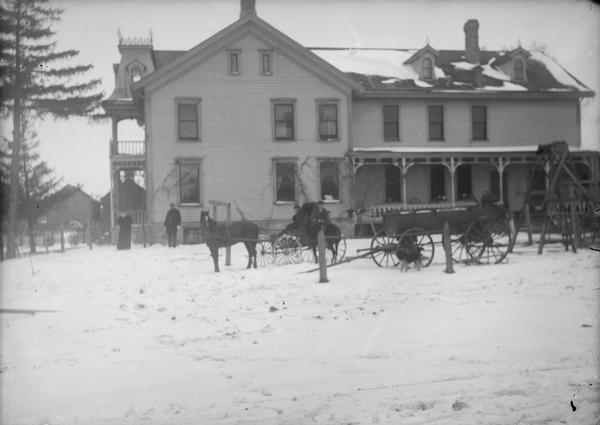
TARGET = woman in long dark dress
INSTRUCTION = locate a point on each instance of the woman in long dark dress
(124, 223)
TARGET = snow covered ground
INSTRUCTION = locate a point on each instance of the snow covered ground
(153, 336)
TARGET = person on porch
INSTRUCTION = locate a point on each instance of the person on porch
(172, 222)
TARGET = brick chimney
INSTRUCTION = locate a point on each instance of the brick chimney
(472, 52)
(247, 8)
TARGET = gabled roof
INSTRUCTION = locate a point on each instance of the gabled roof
(507, 56)
(65, 193)
(420, 52)
(169, 63)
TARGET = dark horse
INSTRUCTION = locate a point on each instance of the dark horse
(310, 219)
(217, 235)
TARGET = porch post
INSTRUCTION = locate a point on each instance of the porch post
(452, 188)
(404, 170)
(500, 166)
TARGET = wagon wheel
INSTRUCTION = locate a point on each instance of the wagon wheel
(264, 251)
(419, 237)
(288, 250)
(589, 230)
(341, 252)
(383, 249)
(487, 239)
(457, 247)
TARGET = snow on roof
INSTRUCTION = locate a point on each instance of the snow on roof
(506, 86)
(557, 71)
(494, 73)
(388, 63)
(464, 65)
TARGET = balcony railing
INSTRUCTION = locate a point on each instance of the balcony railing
(128, 147)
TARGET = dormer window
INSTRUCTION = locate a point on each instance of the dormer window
(234, 62)
(427, 69)
(519, 70)
(266, 62)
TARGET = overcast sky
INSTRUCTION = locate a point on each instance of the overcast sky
(568, 29)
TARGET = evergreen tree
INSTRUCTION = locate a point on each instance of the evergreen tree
(36, 183)
(38, 81)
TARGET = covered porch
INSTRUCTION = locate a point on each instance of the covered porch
(411, 178)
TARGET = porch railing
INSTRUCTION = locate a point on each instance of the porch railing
(137, 216)
(128, 147)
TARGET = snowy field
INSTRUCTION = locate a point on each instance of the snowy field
(153, 336)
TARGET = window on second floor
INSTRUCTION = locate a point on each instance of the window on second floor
(479, 122)
(328, 121)
(391, 130)
(436, 122)
(519, 70)
(188, 120)
(283, 113)
(427, 69)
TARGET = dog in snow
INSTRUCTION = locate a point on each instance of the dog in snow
(409, 253)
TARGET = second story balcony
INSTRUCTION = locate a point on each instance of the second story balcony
(135, 148)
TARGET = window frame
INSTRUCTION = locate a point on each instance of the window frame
(188, 101)
(427, 68)
(338, 163)
(327, 102)
(519, 71)
(274, 104)
(397, 122)
(262, 53)
(179, 162)
(485, 124)
(230, 55)
(284, 160)
(430, 123)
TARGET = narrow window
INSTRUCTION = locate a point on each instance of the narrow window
(136, 75)
(234, 63)
(391, 131)
(285, 182)
(437, 183)
(265, 60)
(189, 182)
(479, 122)
(330, 181)
(427, 69)
(328, 122)
(284, 121)
(436, 122)
(464, 184)
(393, 184)
(519, 70)
(187, 114)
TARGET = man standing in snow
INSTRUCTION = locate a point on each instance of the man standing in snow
(172, 222)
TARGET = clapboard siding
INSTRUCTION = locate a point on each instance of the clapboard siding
(510, 122)
(236, 144)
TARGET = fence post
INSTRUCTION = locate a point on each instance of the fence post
(62, 237)
(447, 248)
(88, 234)
(575, 228)
(528, 224)
(228, 249)
(144, 227)
(322, 258)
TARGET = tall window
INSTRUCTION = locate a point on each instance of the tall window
(330, 180)
(391, 130)
(464, 184)
(234, 63)
(393, 184)
(285, 182)
(187, 115)
(479, 122)
(427, 69)
(437, 183)
(519, 70)
(189, 182)
(136, 75)
(436, 122)
(266, 63)
(284, 121)
(328, 121)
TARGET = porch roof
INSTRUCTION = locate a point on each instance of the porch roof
(476, 151)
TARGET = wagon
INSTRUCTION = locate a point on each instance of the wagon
(478, 234)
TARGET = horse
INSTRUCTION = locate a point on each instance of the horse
(310, 219)
(217, 235)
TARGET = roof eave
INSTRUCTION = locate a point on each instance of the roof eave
(473, 94)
